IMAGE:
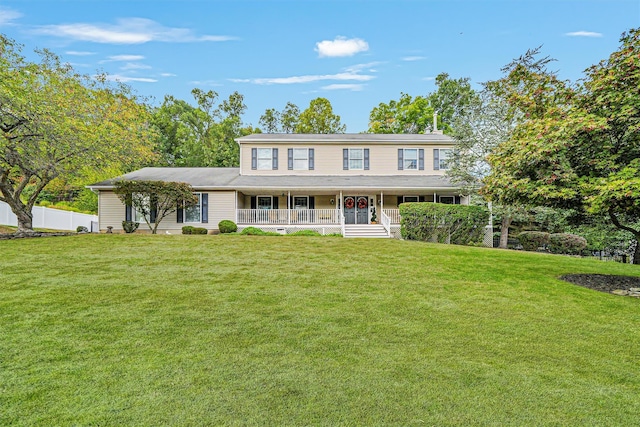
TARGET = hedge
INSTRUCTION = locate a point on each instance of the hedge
(565, 243)
(532, 240)
(227, 226)
(435, 222)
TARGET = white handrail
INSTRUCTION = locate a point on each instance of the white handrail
(393, 214)
(386, 222)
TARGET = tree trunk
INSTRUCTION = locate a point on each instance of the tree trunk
(504, 231)
(636, 251)
(25, 218)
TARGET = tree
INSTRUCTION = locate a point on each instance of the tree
(407, 115)
(290, 117)
(579, 144)
(451, 99)
(319, 118)
(57, 123)
(270, 120)
(154, 200)
(203, 135)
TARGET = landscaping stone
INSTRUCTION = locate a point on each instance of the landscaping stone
(616, 285)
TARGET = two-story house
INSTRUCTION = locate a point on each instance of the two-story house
(339, 183)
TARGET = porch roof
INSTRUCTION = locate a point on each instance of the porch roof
(230, 179)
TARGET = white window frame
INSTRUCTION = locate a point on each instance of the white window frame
(452, 198)
(305, 159)
(442, 160)
(405, 159)
(300, 197)
(270, 202)
(404, 199)
(361, 159)
(268, 162)
(193, 208)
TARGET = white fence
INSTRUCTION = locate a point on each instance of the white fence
(54, 219)
(287, 216)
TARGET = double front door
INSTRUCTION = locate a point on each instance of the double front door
(356, 209)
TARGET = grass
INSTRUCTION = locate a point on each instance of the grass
(243, 330)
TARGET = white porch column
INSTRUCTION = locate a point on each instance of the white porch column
(434, 197)
(289, 207)
(381, 201)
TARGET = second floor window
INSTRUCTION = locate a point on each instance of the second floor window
(441, 157)
(410, 159)
(264, 158)
(300, 158)
(355, 159)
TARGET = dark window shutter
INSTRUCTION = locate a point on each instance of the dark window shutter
(274, 204)
(153, 213)
(312, 202)
(421, 159)
(456, 200)
(254, 158)
(421, 198)
(400, 200)
(290, 158)
(311, 159)
(437, 198)
(366, 159)
(345, 159)
(275, 159)
(180, 212)
(204, 200)
(400, 159)
(128, 211)
(253, 202)
(436, 159)
(291, 202)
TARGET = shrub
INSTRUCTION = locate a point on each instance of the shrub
(187, 229)
(305, 233)
(199, 230)
(565, 243)
(227, 226)
(434, 222)
(45, 203)
(130, 226)
(532, 240)
(253, 231)
(82, 229)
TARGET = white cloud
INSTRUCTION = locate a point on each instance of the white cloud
(115, 58)
(127, 79)
(126, 31)
(168, 75)
(428, 79)
(306, 79)
(205, 83)
(134, 66)
(341, 46)
(344, 86)
(7, 15)
(414, 58)
(360, 67)
(79, 53)
(583, 34)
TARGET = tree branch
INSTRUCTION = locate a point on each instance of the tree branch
(617, 223)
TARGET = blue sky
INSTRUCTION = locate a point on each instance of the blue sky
(354, 53)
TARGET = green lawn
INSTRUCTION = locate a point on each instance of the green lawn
(239, 330)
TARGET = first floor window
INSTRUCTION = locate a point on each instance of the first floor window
(408, 199)
(193, 213)
(300, 202)
(265, 202)
(448, 200)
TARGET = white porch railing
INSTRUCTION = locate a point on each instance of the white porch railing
(288, 216)
(386, 222)
(393, 214)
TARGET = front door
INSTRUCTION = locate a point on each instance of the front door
(356, 210)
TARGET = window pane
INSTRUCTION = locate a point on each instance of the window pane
(264, 202)
(356, 156)
(300, 202)
(300, 158)
(192, 213)
(264, 158)
(356, 164)
(409, 199)
(445, 154)
(411, 158)
(300, 164)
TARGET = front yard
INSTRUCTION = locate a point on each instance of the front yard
(242, 330)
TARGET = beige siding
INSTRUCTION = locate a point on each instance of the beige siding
(111, 212)
(328, 160)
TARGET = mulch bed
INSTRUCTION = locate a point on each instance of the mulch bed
(604, 282)
(37, 234)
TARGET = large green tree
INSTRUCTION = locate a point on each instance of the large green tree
(200, 135)
(579, 144)
(55, 122)
(319, 118)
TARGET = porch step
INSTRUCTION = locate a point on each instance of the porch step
(365, 230)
